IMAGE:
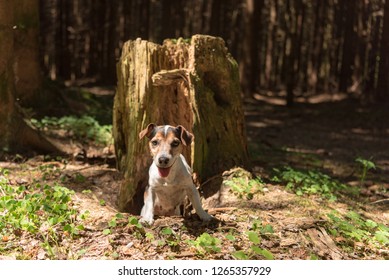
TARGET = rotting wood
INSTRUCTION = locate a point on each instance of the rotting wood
(323, 244)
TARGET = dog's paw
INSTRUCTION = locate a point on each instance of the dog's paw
(146, 221)
(206, 217)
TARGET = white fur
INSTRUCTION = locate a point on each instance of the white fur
(165, 195)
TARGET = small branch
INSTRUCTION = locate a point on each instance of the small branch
(383, 201)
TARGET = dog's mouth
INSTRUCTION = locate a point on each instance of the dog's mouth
(164, 172)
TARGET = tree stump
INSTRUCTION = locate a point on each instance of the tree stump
(194, 83)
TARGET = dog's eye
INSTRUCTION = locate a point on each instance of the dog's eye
(154, 143)
(175, 143)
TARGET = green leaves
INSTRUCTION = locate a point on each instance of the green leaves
(244, 187)
(353, 226)
(253, 237)
(170, 237)
(81, 128)
(135, 222)
(254, 250)
(240, 255)
(309, 182)
(28, 209)
(267, 254)
(366, 166)
(45, 211)
(118, 221)
(206, 243)
(382, 236)
(73, 229)
(167, 231)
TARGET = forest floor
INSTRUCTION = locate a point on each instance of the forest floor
(319, 190)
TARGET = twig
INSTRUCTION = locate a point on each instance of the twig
(385, 200)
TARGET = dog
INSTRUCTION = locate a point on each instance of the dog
(170, 176)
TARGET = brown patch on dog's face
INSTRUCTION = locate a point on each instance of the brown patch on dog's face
(166, 144)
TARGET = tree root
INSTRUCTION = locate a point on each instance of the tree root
(25, 138)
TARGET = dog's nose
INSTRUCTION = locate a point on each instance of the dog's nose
(163, 160)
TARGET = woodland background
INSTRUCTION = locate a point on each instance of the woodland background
(315, 88)
(301, 47)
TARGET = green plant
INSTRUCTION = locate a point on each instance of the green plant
(353, 226)
(43, 210)
(366, 166)
(136, 227)
(254, 251)
(170, 238)
(245, 187)
(149, 236)
(79, 178)
(81, 128)
(49, 171)
(206, 243)
(263, 229)
(112, 223)
(133, 221)
(309, 182)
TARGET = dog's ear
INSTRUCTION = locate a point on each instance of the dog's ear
(185, 136)
(147, 131)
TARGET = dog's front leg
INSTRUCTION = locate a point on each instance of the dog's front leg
(194, 198)
(147, 213)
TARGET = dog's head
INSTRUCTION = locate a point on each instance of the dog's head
(166, 144)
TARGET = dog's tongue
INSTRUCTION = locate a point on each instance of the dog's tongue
(164, 172)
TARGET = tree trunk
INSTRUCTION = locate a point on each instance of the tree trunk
(15, 133)
(26, 52)
(291, 54)
(349, 46)
(382, 92)
(6, 61)
(249, 65)
(194, 84)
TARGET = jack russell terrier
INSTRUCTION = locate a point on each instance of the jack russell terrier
(170, 177)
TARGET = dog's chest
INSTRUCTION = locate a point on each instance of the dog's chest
(168, 198)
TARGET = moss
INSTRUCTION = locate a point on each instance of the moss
(181, 40)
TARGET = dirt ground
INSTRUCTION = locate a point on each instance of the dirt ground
(326, 133)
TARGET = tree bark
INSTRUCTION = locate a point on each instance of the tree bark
(382, 92)
(6, 60)
(349, 46)
(195, 84)
(27, 69)
(15, 133)
(249, 65)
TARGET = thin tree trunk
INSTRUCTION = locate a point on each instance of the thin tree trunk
(348, 46)
(249, 66)
(382, 92)
(246, 65)
(291, 54)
